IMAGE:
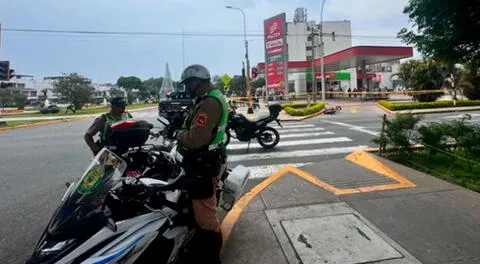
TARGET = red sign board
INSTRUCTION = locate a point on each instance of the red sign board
(275, 52)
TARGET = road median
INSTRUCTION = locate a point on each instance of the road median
(416, 108)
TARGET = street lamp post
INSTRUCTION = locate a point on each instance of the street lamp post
(250, 108)
(322, 66)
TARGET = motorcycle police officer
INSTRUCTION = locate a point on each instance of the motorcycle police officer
(117, 113)
(200, 142)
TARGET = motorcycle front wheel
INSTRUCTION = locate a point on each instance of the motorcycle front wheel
(268, 137)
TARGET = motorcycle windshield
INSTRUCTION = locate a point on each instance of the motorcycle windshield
(84, 199)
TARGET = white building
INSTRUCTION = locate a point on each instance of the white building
(35, 89)
(303, 39)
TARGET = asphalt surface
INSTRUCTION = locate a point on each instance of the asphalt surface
(35, 163)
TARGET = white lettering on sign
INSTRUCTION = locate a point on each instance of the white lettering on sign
(274, 43)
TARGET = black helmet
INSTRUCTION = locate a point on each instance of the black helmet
(118, 101)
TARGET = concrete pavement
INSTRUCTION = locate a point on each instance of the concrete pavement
(348, 211)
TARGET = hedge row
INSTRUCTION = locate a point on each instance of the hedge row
(302, 109)
(439, 104)
(295, 106)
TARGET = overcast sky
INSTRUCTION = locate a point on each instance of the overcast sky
(104, 58)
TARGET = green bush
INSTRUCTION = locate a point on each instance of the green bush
(20, 101)
(302, 109)
(439, 104)
(399, 132)
(295, 106)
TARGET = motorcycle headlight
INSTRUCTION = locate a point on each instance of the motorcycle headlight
(53, 247)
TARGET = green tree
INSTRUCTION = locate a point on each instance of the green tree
(130, 83)
(237, 86)
(152, 87)
(258, 83)
(423, 75)
(444, 29)
(134, 87)
(75, 89)
(5, 97)
(471, 84)
(20, 101)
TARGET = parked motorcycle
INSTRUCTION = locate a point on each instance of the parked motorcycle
(332, 110)
(108, 217)
(245, 129)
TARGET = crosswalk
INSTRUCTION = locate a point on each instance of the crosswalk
(300, 144)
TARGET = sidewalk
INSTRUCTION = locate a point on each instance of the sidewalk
(67, 117)
(361, 209)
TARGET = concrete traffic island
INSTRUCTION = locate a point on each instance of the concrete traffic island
(359, 209)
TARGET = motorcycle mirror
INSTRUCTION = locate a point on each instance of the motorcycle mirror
(67, 183)
(163, 120)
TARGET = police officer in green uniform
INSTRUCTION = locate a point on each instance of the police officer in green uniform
(204, 158)
(117, 113)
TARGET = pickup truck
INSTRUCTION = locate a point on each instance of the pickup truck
(175, 107)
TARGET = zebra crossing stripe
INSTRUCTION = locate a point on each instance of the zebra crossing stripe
(295, 153)
(282, 136)
(296, 130)
(293, 143)
(293, 126)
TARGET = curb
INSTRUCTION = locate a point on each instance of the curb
(440, 111)
(304, 117)
(34, 124)
(433, 111)
(65, 120)
(386, 110)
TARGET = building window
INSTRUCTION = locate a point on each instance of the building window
(309, 38)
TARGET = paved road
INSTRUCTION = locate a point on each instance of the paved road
(35, 163)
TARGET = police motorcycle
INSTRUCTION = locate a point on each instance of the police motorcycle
(243, 129)
(107, 216)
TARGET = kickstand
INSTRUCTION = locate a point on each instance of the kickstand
(248, 146)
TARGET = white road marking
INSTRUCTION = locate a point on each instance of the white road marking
(353, 127)
(295, 130)
(282, 136)
(264, 171)
(292, 143)
(295, 154)
(293, 126)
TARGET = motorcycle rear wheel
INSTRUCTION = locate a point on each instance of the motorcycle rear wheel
(265, 138)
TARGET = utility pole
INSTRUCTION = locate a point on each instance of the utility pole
(247, 75)
(314, 81)
(322, 51)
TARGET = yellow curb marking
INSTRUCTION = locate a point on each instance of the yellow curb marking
(388, 111)
(361, 158)
(232, 217)
(366, 160)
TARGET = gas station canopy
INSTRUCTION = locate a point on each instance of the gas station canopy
(353, 57)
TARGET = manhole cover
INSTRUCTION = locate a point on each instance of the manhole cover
(340, 239)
